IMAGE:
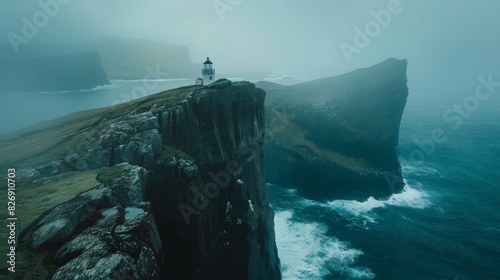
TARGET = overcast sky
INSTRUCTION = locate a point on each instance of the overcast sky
(444, 41)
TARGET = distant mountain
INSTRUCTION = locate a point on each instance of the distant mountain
(134, 59)
(122, 58)
(56, 73)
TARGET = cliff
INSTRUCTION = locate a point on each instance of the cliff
(165, 185)
(336, 137)
(58, 73)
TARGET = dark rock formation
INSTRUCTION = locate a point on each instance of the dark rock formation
(336, 137)
(108, 231)
(59, 73)
(202, 149)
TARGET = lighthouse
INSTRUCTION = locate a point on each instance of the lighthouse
(208, 72)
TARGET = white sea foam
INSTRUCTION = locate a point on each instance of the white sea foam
(306, 252)
(409, 198)
(96, 88)
(419, 170)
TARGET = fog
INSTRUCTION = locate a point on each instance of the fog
(448, 43)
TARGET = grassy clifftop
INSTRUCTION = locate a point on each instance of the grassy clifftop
(54, 139)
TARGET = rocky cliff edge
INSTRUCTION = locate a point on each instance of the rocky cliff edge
(168, 185)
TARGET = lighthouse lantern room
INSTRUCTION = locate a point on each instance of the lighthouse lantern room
(208, 72)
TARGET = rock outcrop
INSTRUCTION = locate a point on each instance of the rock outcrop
(205, 195)
(58, 73)
(107, 232)
(335, 138)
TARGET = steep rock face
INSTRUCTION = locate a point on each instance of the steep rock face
(235, 224)
(202, 148)
(336, 137)
(59, 73)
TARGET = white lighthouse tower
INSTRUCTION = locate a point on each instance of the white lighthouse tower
(208, 72)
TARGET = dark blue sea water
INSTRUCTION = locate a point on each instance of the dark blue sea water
(444, 225)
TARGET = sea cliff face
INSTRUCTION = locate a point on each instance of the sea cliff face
(335, 138)
(58, 73)
(172, 184)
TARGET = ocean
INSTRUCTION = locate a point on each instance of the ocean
(444, 225)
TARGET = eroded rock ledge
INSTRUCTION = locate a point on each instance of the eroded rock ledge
(108, 231)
